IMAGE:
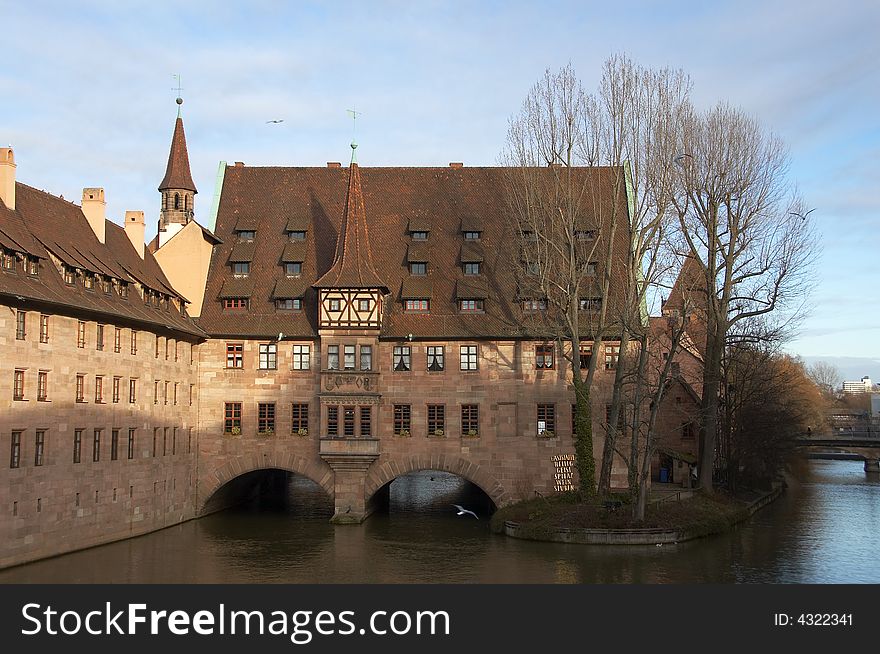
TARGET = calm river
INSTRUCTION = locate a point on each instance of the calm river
(825, 529)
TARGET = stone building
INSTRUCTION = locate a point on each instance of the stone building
(346, 324)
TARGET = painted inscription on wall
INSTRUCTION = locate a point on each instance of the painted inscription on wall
(563, 478)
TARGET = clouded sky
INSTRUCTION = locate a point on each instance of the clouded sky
(88, 100)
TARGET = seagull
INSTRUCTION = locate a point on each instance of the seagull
(280, 336)
(462, 511)
(274, 121)
(802, 216)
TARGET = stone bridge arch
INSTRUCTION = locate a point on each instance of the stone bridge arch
(217, 477)
(388, 469)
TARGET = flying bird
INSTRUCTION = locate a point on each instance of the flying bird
(462, 511)
(802, 216)
(274, 121)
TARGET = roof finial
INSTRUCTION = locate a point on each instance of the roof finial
(178, 88)
(354, 115)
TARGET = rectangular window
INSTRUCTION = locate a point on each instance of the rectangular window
(544, 356)
(299, 419)
(612, 353)
(301, 357)
(590, 269)
(165, 441)
(436, 419)
(688, 433)
(585, 234)
(167, 346)
(117, 339)
(44, 328)
(348, 357)
(131, 443)
(268, 356)
(157, 346)
(165, 393)
(470, 419)
(468, 357)
(296, 235)
(42, 386)
(419, 235)
(15, 454)
(586, 354)
(402, 415)
(401, 361)
(236, 303)
(39, 447)
(472, 236)
(88, 281)
(116, 384)
(189, 441)
(77, 445)
(290, 304)
(591, 303)
(366, 421)
(174, 401)
(334, 304)
(106, 286)
(69, 276)
(435, 358)
(472, 268)
(155, 441)
(332, 420)
(80, 334)
(99, 389)
(232, 417)
(246, 235)
(546, 419)
(155, 392)
(332, 357)
(96, 446)
(414, 306)
(348, 421)
(134, 342)
(174, 441)
(363, 306)
(418, 269)
(366, 357)
(293, 268)
(241, 269)
(191, 393)
(176, 350)
(80, 388)
(132, 391)
(471, 306)
(99, 337)
(531, 306)
(265, 417)
(235, 355)
(18, 385)
(114, 444)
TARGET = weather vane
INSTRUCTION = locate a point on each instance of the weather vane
(354, 114)
(178, 88)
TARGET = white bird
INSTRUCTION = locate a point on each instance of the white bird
(280, 336)
(462, 511)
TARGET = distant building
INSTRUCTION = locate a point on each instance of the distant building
(864, 385)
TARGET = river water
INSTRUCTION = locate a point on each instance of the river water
(824, 529)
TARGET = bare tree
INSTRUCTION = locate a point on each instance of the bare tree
(741, 219)
(826, 376)
(566, 215)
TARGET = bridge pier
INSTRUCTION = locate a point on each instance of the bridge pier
(350, 458)
(872, 465)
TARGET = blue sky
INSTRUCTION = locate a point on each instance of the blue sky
(87, 98)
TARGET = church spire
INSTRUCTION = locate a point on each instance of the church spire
(177, 174)
(353, 264)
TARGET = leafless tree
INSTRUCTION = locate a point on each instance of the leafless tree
(826, 376)
(740, 217)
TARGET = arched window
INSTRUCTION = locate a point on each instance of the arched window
(185, 202)
(177, 200)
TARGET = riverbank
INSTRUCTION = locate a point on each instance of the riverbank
(564, 519)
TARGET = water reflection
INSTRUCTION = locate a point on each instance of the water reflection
(824, 529)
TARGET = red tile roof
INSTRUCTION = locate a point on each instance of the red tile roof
(57, 232)
(393, 199)
(177, 174)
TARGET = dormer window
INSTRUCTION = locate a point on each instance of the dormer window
(123, 289)
(296, 235)
(529, 235)
(245, 236)
(472, 236)
(585, 234)
(293, 268)
(534, 305)
(105, 285)
(69, 276)
(235, 303)
(416, 306)
(241, 269)
(471, 306)
(419, 236)
(33, 266)
(590, 269)
(418, 268)
(89, 281)
(8, 260)
(289, 304)
(591, 303)
(472, 268)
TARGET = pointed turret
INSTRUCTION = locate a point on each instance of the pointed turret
(353, 264)
(351, 291)
(177, 187)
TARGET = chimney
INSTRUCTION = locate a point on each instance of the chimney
(334, 164)
(239, 164)
(93, 206)
(134, 229)
(7, 177)
(456, 164)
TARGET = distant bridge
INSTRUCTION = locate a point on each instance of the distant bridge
(862, 445)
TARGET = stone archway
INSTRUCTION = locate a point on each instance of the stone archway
(314, 469)
(387, 470)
